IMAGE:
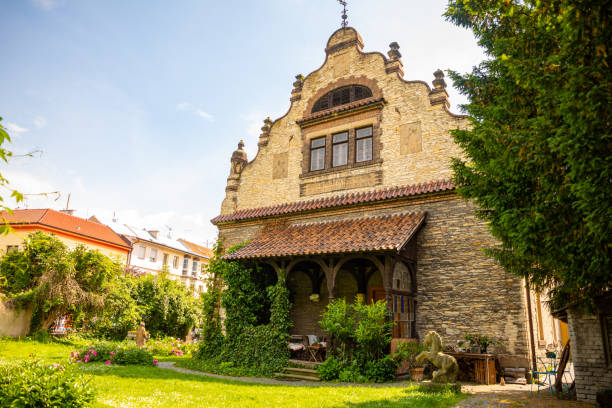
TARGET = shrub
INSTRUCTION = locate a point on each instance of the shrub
(169, 346)
(330, 369)
(121, 312)
(34, 384)
(408, 351)
(110, 353)
(380, 370)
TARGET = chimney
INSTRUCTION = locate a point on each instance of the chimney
(67, 211)
(154, 233)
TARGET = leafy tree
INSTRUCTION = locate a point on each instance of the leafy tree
(55, 280)
(5, 155)
(167, 307)
(538, 150)
(121, 313)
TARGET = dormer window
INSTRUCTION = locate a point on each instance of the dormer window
(341, 96)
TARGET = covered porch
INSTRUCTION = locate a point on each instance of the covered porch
(369, 258)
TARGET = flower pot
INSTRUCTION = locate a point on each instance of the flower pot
(417, 373)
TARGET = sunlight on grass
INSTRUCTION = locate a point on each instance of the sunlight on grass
(133, 386)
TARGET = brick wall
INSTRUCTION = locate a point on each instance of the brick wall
(591, 370)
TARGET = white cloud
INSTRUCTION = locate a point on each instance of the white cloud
(186, 106)
(46, 4)
(14, 128)
(40, 122)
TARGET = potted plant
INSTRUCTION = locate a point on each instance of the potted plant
(408, 352)
(480, 342)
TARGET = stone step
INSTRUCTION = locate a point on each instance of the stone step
(309, 364)
(301, 370)
(297, 377)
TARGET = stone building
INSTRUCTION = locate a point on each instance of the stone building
(350, 195)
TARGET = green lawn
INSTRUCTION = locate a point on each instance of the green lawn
(154, 387)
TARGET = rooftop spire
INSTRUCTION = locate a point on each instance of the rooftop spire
(344, 16)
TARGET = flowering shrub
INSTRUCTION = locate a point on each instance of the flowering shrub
(113, 354)
(34, 384)
(169, 346)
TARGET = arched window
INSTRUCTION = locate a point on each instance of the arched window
(341, 96)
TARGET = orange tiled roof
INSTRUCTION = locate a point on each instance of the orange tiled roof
(69, 223)
(386, 233)
(337, 201)
(199, 249)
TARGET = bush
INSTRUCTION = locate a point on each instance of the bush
(121, 312)
(169, 346)
(34, 384)
(330, 369)
(380, 370)
(112, 353)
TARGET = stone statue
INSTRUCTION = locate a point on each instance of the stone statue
(141, 336)
(447, 365)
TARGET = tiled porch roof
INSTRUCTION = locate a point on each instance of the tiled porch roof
(386, 233)
(337, 201)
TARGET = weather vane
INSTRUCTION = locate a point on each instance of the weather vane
(344, 16)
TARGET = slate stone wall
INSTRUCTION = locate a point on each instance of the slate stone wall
(460, 290)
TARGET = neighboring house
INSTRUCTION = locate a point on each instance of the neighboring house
(69, 229)
(356, 181)
(153, 252)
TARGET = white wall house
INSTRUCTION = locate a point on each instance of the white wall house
(152, 252)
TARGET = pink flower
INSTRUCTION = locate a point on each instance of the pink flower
(154, 361)
(95, 353)
(112, 353)
(107, 362)
(86, 358)
(79, 361)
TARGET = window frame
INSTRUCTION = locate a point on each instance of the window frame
(327, 100)
(312, 149)
(153, 255)
(343, 142)
(143, 249)
(12, 248)
(175, 262)
(359, 138)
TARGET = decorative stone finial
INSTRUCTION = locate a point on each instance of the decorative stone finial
(265, 132)
(439, 82)
(393, 52)
(297, 88)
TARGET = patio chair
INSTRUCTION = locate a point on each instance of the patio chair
(545, 374)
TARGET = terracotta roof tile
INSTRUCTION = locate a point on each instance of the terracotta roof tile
(384, 233)
(199, 249)
(337, 201)
(341, 108)
(65, 222)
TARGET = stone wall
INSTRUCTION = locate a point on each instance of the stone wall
(460, 290)
(591, 370)
(14, 322)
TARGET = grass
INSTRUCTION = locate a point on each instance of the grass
(132, 386)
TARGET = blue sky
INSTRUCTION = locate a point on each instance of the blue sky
(137, 105)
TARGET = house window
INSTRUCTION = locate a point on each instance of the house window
(165, 260)
(175, 261)
(12, 248)
(185, 266)
(194, 266)
(317, 154)
(153, 255)
(340, 149)
(363, 144)
(141, 252)
(341, 96)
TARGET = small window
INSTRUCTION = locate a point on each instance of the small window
(363, 144)
(341, 96)
(141, 252)
(185, 263)
(317, 154)
(340, 149)
(175, 262)
(165, 259)
(194, 266)
(153, 255)
(12, 248)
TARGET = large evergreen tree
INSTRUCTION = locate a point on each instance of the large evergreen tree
(538, 151)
